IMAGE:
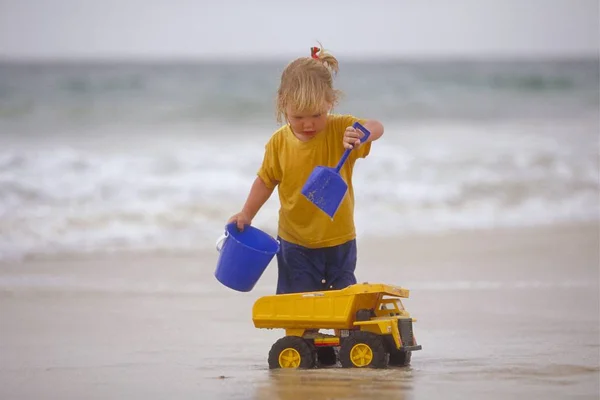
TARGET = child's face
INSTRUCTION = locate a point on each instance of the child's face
(306, 125)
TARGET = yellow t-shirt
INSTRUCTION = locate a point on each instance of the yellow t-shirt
(288, 162)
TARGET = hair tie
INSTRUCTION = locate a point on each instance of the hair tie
(313, 52)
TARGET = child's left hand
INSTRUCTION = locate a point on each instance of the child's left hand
(352, 138)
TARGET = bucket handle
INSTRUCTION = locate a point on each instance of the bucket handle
(220, 241)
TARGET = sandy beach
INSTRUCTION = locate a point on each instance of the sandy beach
(501, 314)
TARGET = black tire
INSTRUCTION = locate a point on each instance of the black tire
(326, 356)
(363, 350)
(400, 358)
(291, 352)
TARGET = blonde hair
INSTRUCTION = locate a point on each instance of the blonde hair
(307, 83)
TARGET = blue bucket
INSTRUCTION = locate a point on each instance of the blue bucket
(244, 256)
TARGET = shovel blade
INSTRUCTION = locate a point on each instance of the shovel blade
(326, 189)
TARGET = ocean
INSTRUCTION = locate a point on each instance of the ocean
(154, 157)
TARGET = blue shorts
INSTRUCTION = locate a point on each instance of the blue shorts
(307, 270)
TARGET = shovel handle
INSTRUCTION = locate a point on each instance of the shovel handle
(364, 130)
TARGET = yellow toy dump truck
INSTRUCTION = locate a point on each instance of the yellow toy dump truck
(371, 327)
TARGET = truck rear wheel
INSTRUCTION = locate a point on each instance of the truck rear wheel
(363, 350)
(291, 352)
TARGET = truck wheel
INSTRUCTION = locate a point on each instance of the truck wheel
(291, 352)
(400, 358)
(363, 349)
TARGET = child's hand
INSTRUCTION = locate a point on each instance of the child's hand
(352, 138)
(241, 220)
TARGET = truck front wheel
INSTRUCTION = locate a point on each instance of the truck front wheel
(400, 358)
(363, 349)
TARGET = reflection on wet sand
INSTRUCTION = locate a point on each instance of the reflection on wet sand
(336, 383)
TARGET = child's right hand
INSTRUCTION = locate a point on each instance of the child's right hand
(241, 220)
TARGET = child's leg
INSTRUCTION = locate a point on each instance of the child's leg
(341, 263)
(300, 269)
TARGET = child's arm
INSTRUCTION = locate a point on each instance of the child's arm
(352, 136)
(376, 129)
(259, 194)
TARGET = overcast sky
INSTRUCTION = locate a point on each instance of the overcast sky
(241, 28)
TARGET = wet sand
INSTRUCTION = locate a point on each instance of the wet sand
(501, 314)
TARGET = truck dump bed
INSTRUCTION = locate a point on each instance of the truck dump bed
(332, 309)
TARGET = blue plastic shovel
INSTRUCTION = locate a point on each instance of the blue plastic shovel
(325, 186)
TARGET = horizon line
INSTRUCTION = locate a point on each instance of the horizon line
(374, 58)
